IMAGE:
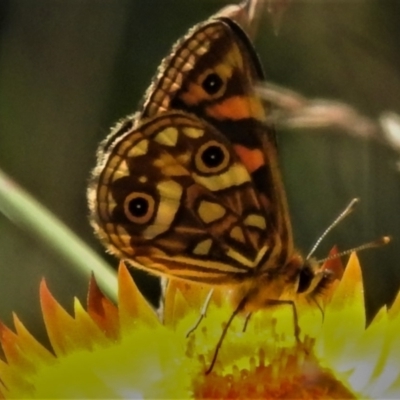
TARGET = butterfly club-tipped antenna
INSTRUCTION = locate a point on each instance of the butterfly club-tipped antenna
(382, 241)
(327, 272)
(347, 211)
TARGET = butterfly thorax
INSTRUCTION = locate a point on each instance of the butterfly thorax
(282, 282)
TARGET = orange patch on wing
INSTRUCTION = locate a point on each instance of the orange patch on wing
(252, 159)
(236, 108)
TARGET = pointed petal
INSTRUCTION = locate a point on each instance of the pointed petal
(63, 331)
(131, 303)
(388, 368)
(29, 344)
(394, 310)
(102, 310)
(195, 295)
(176, 306)
(13, 384)
(12, 350)
(369, 349)
(90, 332)
(335, 266)
(344, 321)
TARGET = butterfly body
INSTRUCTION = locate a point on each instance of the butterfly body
(190, 188)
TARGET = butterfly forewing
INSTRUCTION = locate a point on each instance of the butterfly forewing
(213, 61)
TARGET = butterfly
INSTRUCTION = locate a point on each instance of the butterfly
(189, 187)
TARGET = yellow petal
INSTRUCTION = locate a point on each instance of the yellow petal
(103, 312)
(66, 333)
(344, 319)
(133, 306)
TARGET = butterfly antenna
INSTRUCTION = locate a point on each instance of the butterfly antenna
(347, 211)
(382, 241)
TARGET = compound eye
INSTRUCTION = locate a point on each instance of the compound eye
(212, 157)
(305, 278)
(139, 207)
(212, 83)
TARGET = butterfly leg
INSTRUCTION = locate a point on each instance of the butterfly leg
(274, 302)
(202, 313)
(246, 321)
(319, 307)
(225, 330)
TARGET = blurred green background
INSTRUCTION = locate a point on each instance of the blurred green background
(70, 68)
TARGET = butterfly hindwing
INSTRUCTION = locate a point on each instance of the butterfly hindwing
(191, 212)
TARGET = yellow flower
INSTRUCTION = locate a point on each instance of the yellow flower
(106, 352)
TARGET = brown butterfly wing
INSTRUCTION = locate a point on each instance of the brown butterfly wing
(212, 73)
(173, 197)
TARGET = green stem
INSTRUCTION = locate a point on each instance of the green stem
(23, 210)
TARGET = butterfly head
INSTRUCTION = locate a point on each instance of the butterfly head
(287, 281)
(313, 279)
